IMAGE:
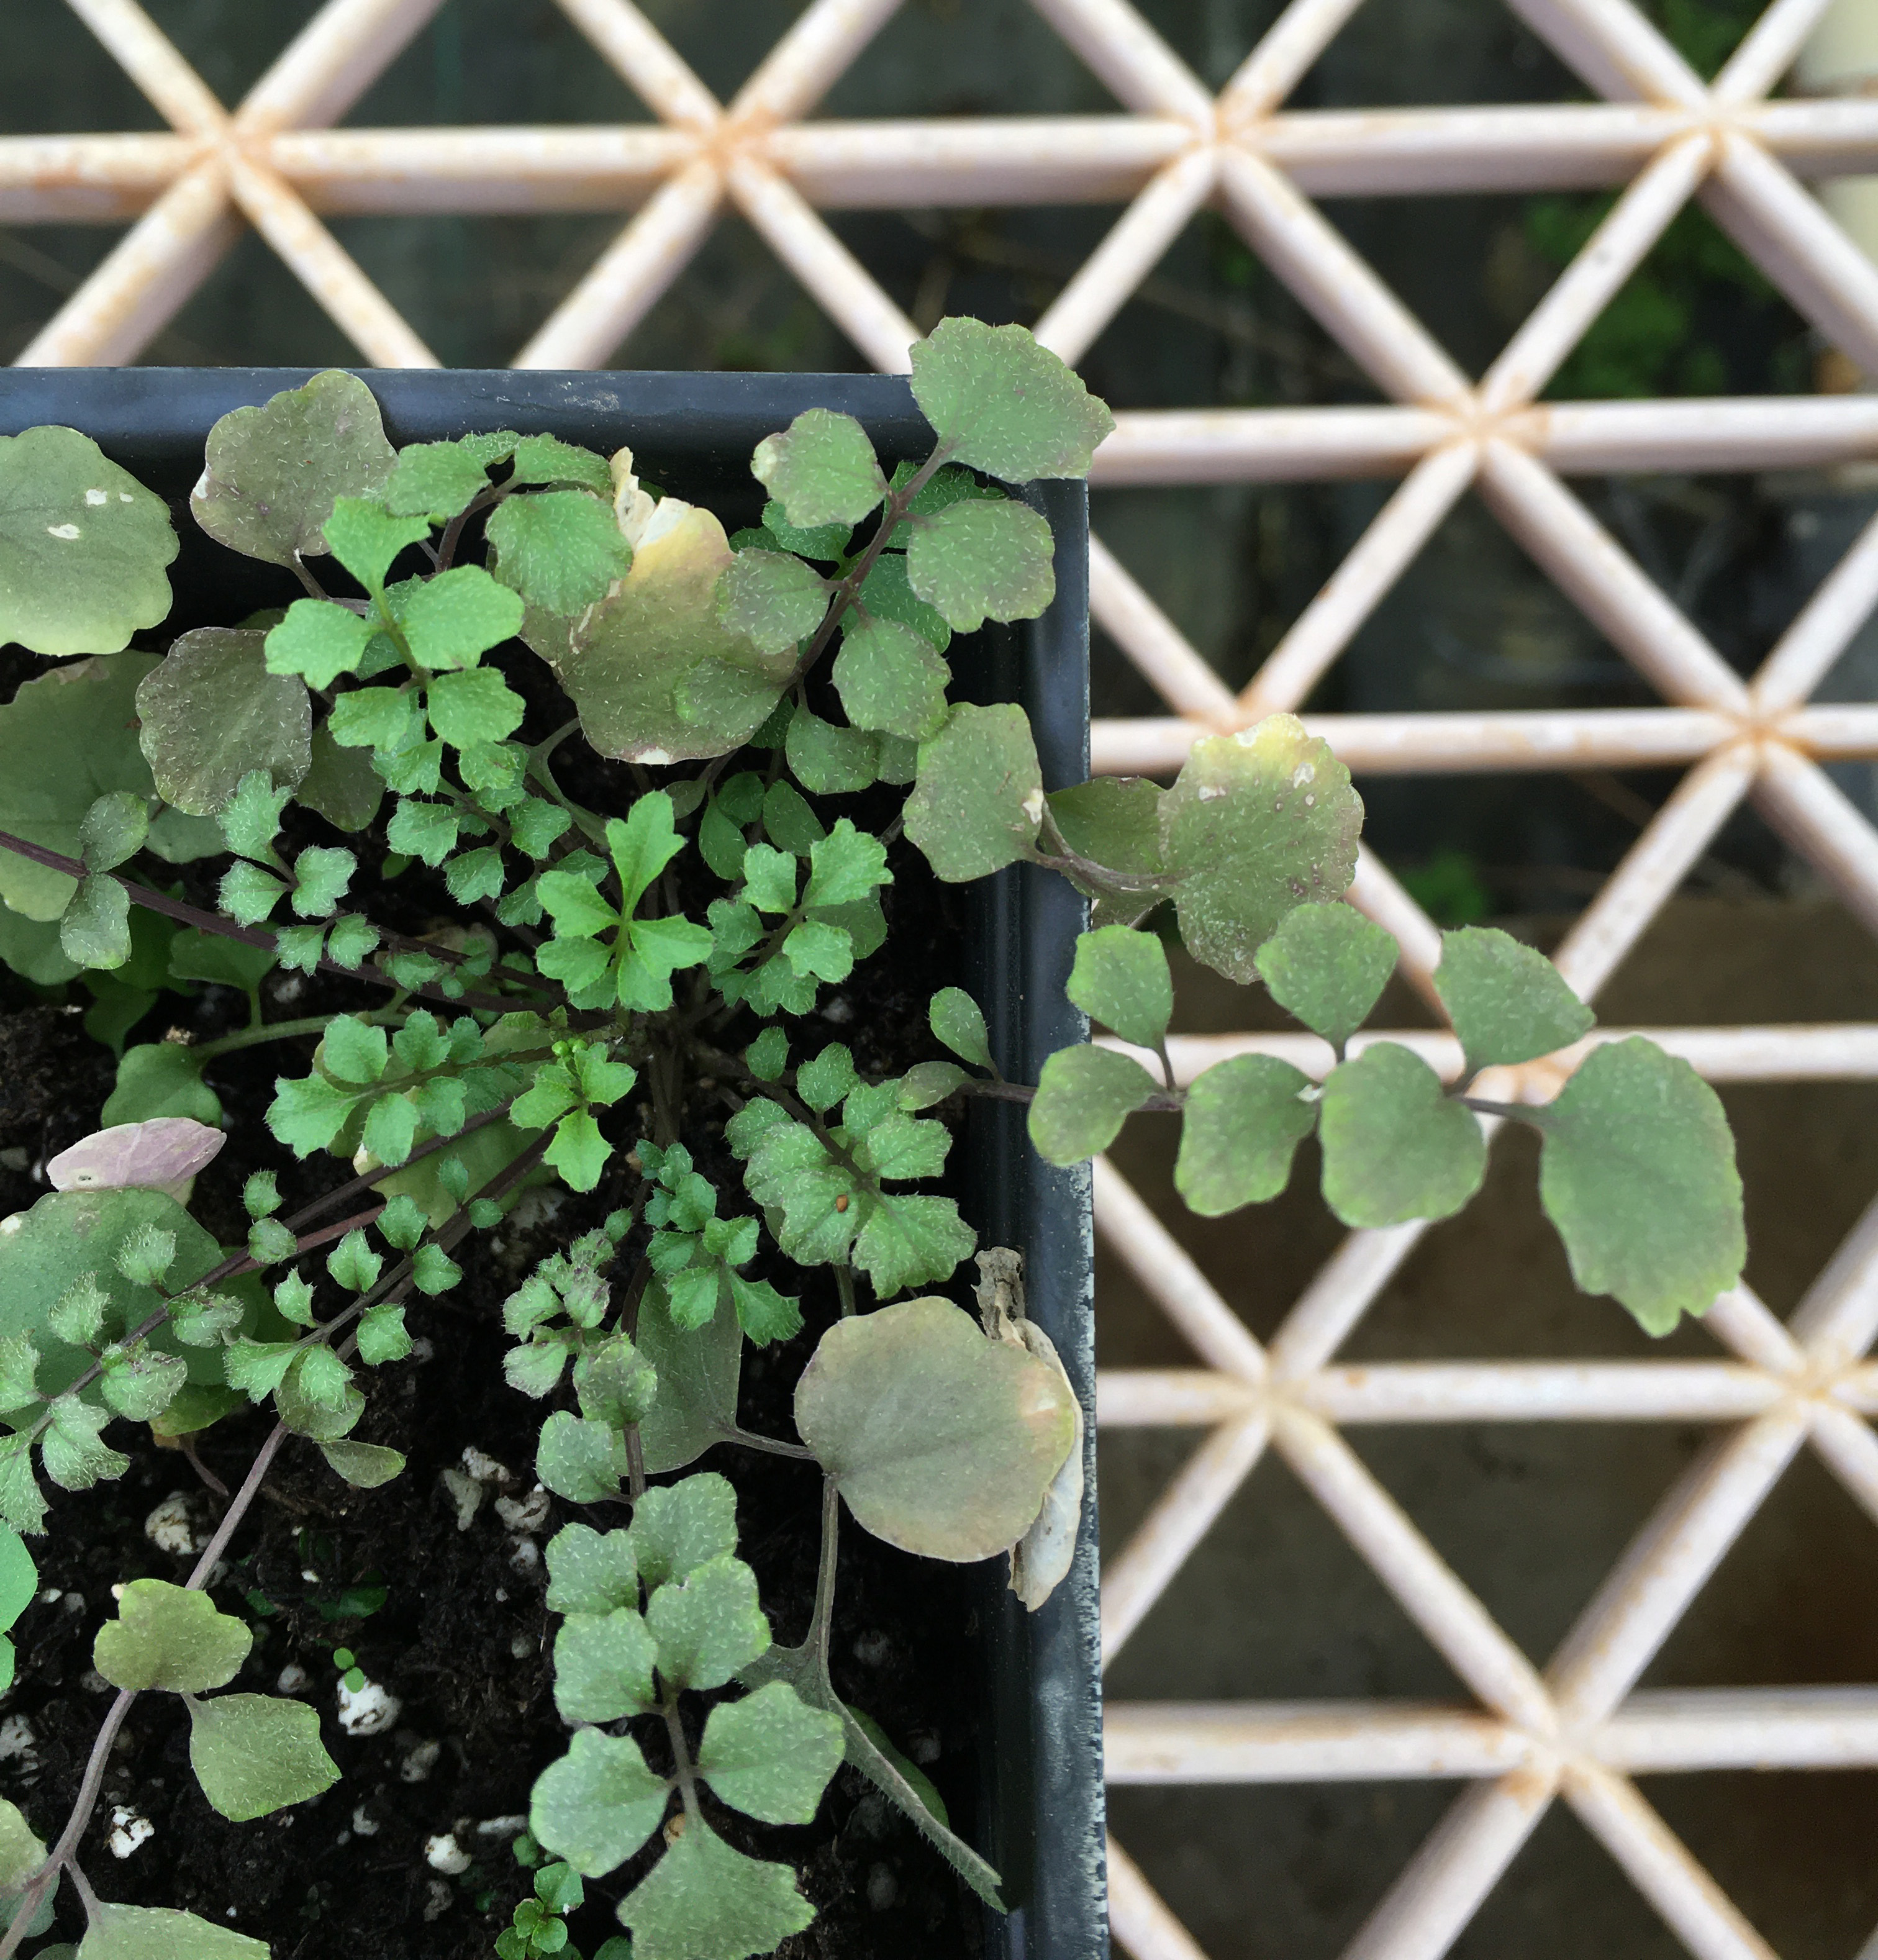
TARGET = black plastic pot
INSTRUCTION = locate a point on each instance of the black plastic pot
(1040, 1820)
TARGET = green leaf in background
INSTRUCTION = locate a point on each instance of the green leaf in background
(698, 1376)
(546, 458)
(1638, 1173)
(927, 1083)
(1256, 824)
(1327, 964)
(19, 1581)
(1120, 979)
(1396, 1148)
(436, 479)
(454, 619)
(708, 1624)
(590, 1571)
(67, 738)
(773, 599)
(364, 1465)
(980, 560)
(256, 1753)
(828, 761)
(156, 1933)
(1001, 403)
(598, 1804)
(680, 1528)
(1508, 1002)
(341, 785)
(602, 1666)
(367, 539)
(1113, 820)
(1244, 1122)
(94, 929)
(21, 1852)
(885, 594)
(113, 830)
(705, 1901)
(958, 1021)
(821, 469)
(211, 711)
(82, 547)
(168, 1637)
(31, 948)
(1084, 1095)
(943, 1443)
(656, 675)
(890, 679)
(582, 1462)
(771, 1755)
(561, 550)
(274, 471)
(979, 798)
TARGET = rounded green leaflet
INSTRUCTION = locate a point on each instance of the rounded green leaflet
(1244, 1122)
(1638, 1173)
(977, 560)
(1256, 824)
(169, 1637)
(255, 1754)
(774, 599)
(67, 738)
(822, 469)
(678, 1528)
(602, 1666)
(942, 1442)
(1508, 1002)
(708, 1624)
(1327, 964)
(598, 1804)
(1396, 1148)
(210, 712)
(158, 1932)
(771, 1755)
(1084, 1095)
(83, 547)
(979, 797)
(19, 1578)
(705, 1901)
(1005, 406)
(21, 1852)
(69, 1234)
(890, 679)
(957, 1019)
(275, 471)
(1120, 979)
(590, 1571)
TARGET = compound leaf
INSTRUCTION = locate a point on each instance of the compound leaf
(943, 1443)
(275, 471)
(705, 1901)
(168, 1637)
(1120, 979)
(975, 561)
(590, 1571)
(561, 550)
(1508, 1002)
(771, 1755)
(598, 1804)
(708, 1624)
(82, 547)
(678, 1527)
(158, 1932)
(255, 1754)
(1327, 964)
(602, 1666)
(1638, 1173)
(1003, 404)
(891, 680)
(582, 1462)
(979, 797)
(1241, 1125)
(1084, 1095)
(1395, 1147)
(1257, 824)
(822, 469)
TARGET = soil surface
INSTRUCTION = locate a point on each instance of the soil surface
(446, 1612)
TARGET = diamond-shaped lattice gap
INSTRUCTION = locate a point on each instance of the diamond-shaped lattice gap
(1273, 1605)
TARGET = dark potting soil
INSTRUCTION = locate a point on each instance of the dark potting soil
(447, 1615)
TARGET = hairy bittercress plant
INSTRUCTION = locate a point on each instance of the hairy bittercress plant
(614, 977)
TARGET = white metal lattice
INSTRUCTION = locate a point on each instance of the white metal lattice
(1576, 1730)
